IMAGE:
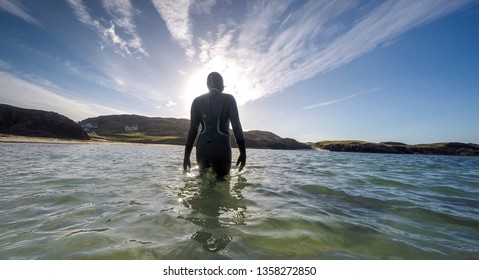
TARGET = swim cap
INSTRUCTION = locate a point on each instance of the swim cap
(215, 82)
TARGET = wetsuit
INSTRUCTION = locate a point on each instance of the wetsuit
(214, 111)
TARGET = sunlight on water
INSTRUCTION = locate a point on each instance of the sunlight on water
(135, 202)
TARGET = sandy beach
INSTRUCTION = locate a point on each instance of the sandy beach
(7, 138)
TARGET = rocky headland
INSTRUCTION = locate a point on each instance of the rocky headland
(448, 148)
(38, 123)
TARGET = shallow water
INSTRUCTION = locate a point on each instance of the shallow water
(135, 202)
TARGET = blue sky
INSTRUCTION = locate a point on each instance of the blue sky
(396, 70)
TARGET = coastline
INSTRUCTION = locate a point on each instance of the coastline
(8, 138)
(447, 148)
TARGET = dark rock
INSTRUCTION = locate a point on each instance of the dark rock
(266, 140)
(393, 143)
(37, 123)
(452, 148)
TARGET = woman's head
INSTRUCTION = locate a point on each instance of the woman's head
(215, 82)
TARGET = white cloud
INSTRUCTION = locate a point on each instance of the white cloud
(15, 7)
(171, 103)
(38, 93)
(111, 35)
(176, 16)
(122, 13)
(322, 104)
(280, 43)
(82, 14)
(383, 24)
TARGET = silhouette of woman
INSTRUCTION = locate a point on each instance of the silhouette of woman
(214, 111)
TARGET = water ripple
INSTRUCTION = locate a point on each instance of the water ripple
(135, 202)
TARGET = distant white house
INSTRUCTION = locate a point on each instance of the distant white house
(132, 128)
(89, 126)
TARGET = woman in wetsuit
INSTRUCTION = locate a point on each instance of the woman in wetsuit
(214, 111)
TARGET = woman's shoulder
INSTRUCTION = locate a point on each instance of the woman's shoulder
(200, 97)
(228, 96)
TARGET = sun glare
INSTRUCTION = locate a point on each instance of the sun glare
(236, 84)
(196, 86)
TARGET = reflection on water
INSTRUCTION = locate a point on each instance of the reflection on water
(215, 206)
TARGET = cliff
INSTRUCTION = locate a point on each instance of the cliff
(450, 148)
(37, 123)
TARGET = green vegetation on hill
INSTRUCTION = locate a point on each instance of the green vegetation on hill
(172, 131)
(265, 139)
(138, 137)
(138, 129)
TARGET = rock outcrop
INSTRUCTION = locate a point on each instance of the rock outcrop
(38, 123)
(449, 148)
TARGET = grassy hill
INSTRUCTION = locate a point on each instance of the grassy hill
(150, 130)
(172, 131)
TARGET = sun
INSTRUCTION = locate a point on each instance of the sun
(236, 83)
(195, 87)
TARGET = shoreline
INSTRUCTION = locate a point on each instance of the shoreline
(7, 138)
(17, 139)
(449, 148)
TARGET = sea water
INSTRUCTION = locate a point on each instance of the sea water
(135, 202)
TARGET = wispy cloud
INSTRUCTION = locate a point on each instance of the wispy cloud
(177, 19)
(322, 104)
(82, 14)
(5, 65)
(89, 74)
(171, 103)
(280, 43)
(177, 16)
(15, 7)
(381, 25)
(122, 13)
(122, 17)
(37, 93)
